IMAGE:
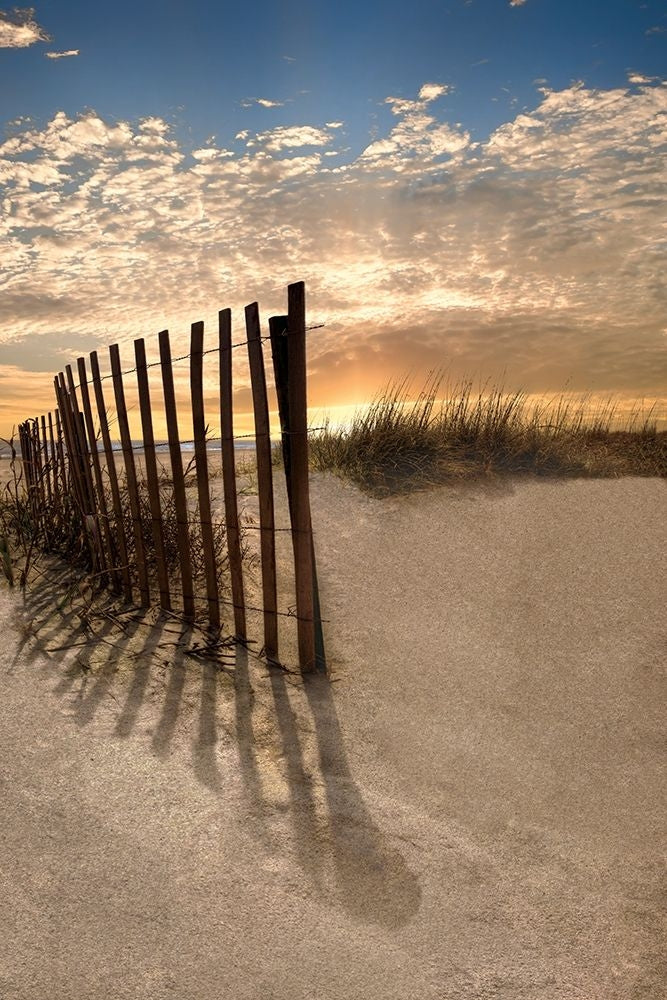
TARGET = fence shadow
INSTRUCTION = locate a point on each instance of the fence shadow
(137, 677)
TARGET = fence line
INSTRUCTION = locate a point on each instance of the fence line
(125, 528)
(210, 350)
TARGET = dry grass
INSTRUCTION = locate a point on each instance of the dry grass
(399, 445)
(29, 535)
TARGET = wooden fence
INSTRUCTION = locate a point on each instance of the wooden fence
(70, 470)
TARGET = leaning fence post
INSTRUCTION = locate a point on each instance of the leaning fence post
(102, 509)
(57, 498)
(113, 476)
(63, 472)
(152, 478)
(278, 326)
(264, 481)
(201, 460)
(91, 524)
(46, 464)
(131, 474)
(298, 427)
(229, 471)
(180, 499)
(72, 451)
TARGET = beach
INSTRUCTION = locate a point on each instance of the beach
(470, 807)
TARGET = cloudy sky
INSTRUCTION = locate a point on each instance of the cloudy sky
(476, 185)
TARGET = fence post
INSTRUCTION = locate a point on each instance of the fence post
(91, 523)
(46, 464)
(229, 471)
(62, 470)
(102, 509)
(152, 479)
(131, 474)
(72, 454)
(278, 326)
(298, 427)
(54, 465)
(79, 442)
(201, 460)
(180, 499)
(264, 481)
(113, 476)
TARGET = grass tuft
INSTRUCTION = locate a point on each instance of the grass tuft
(399, 444)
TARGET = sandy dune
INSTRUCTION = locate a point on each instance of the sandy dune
(471, 809)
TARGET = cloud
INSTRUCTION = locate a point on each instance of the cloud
(431, 91)
(292, 137)
(539, 252)
(18, 29)
(418, 138)
(62, 55)
(263, 102)
(657, 29)
(640, 78)
(517, 3)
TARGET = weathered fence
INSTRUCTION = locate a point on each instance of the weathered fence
(69, 464)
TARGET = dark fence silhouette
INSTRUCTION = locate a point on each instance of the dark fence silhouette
(142, 536)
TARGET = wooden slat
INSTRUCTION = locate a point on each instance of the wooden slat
(81, 444)
(201, 460)
(40, 492)
(24, 457)
(152, 478)
(113, 478)
(92, 522)
(131, 474)
(26, 460)
(46, 464)
(298, 425)
(264, 481)
(180, 499)
(278, 334)
(42, 476)
(229, 472)
(70, 445)
(55, 470)
(278, 326)
(109, 554)
(62, 468)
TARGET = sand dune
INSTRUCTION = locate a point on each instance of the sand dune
(470, 809)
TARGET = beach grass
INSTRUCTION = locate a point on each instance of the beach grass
(400, 443)
(26, 534)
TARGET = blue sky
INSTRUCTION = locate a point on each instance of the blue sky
(470, 183)
(195, 63)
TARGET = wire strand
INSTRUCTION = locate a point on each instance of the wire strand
(184, 357)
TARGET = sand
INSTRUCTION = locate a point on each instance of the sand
(472, 807)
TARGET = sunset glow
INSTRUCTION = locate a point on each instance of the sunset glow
(468, 209)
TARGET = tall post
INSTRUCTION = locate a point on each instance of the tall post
(298, 428)
(278, 326)
(131, 474)
(152, 478)
(120, 535)
(264, 481)
(180, 498)
(229, 471)
(201, 460)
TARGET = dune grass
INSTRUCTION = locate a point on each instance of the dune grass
(28, 532)
(400, 444)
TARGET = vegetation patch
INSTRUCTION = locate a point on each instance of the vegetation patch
(399, 444)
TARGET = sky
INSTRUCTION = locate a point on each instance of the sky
(476, 186)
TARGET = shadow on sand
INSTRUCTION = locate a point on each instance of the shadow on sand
(138, 672)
